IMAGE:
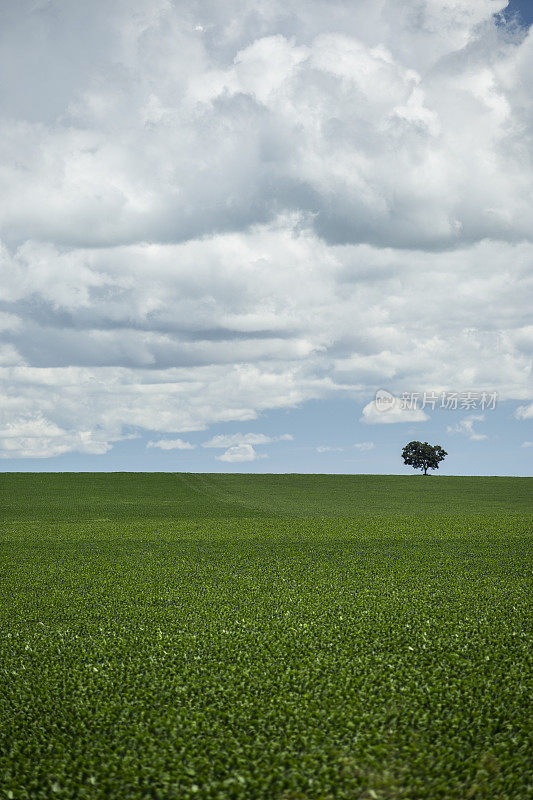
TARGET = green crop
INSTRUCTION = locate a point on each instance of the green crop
(265, 637)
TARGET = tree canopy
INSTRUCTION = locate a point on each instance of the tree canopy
(421, 455)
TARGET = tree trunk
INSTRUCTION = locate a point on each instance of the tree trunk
(425, 470)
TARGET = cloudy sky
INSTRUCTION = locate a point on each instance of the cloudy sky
(225, 226)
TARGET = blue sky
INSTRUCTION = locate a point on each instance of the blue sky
(524, 8)
(327, 436)
(222, 231)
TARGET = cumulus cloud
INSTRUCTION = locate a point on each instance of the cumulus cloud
(36, 437)
(171, 136)
(241, 446)
(240, 452)
(208, 213)
(394, 413)
(171, 444)
(466, 428)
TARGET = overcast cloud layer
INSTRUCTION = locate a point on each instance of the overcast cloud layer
(209, 210)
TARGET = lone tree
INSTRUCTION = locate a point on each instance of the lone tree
(421, 455)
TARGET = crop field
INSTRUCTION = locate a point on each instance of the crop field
(265, 637)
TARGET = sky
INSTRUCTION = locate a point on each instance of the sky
(523, 9)
(224, 227)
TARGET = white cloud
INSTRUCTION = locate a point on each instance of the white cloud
(364, 446)
(324, 448)
(527, 444)
(466, 427)
(204, 220)
(37, 437)
(239, 452)
(372, 415)
(171, 444)
(227, 440)
(524, 412)
(358, 129)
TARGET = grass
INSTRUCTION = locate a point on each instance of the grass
(275, 637)
(132, 496)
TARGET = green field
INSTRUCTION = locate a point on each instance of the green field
(279, 637)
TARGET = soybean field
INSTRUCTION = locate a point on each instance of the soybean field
(265, 637)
